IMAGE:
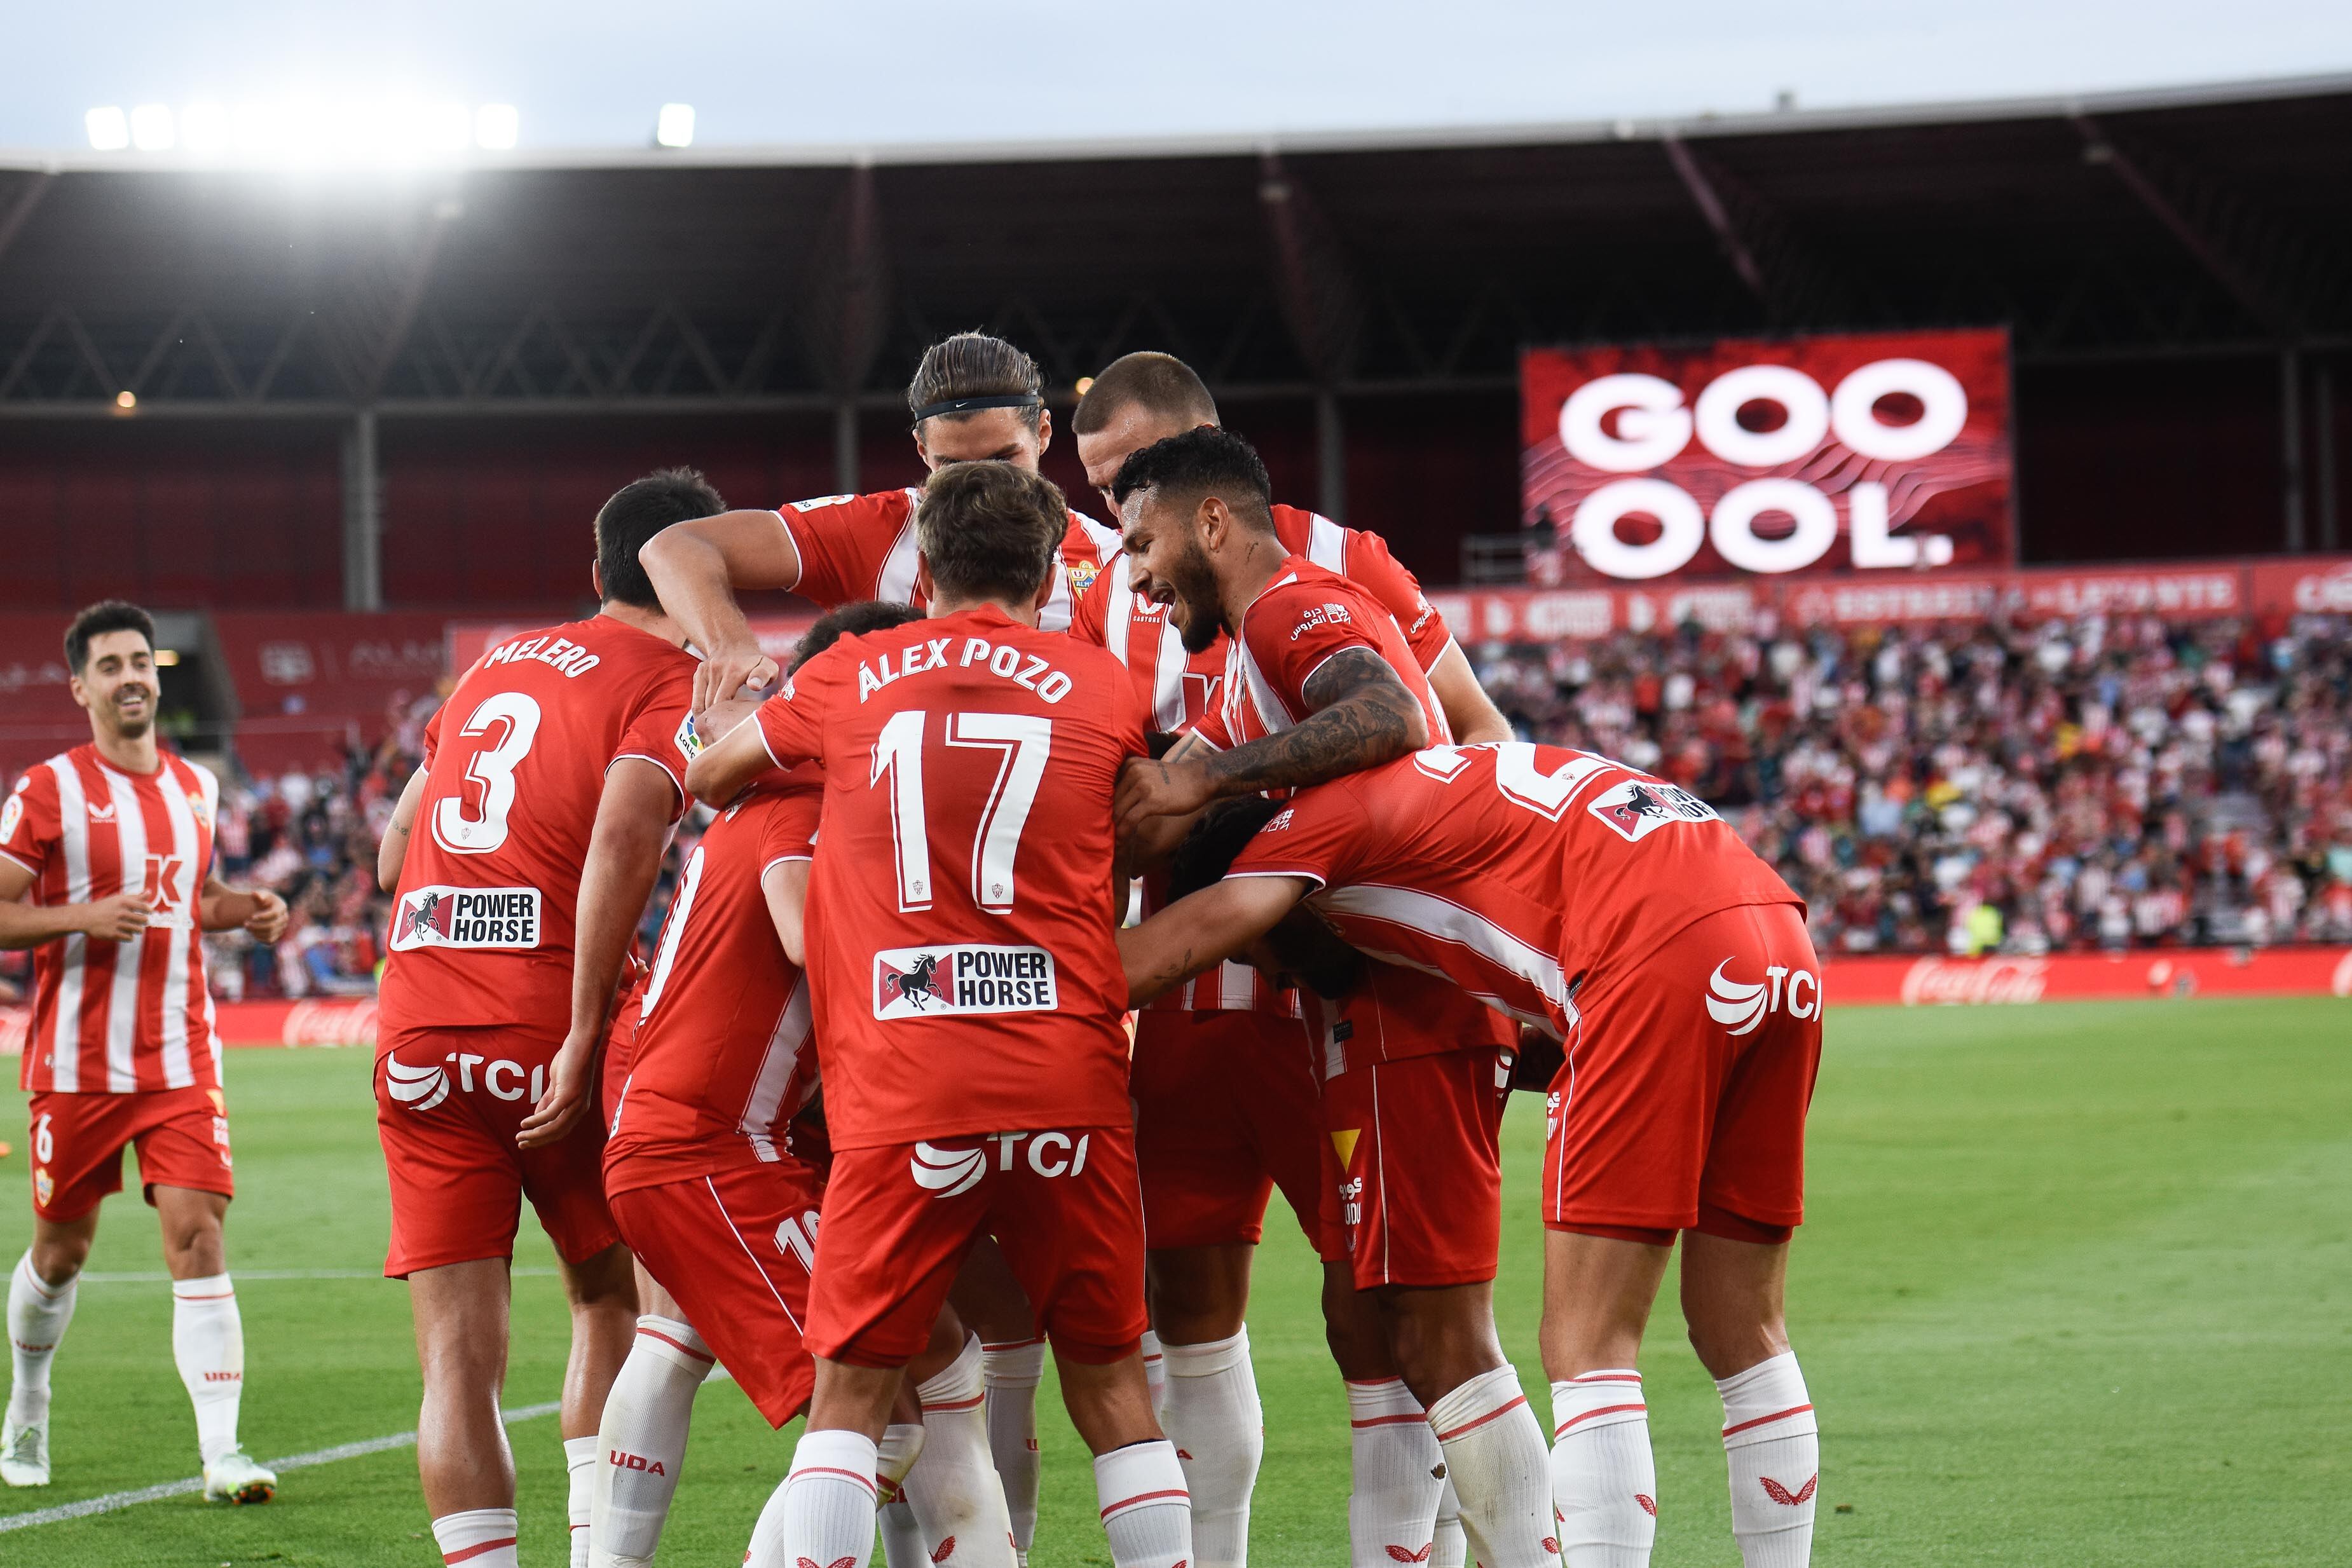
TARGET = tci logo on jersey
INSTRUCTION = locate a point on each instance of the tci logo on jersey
(962, 978)
(420, 1087)
(950, 1172)
(466, 917)
(1638, 807)
(1740, 1007)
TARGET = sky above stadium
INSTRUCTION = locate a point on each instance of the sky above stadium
(594, 73)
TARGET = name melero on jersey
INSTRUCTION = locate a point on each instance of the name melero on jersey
(562, 652)
(1025, 670)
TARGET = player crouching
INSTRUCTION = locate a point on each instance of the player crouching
(968, 1002)
(1624, 917)
(113, 843)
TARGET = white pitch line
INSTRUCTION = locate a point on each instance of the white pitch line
(138, 1277)
(119, 1499)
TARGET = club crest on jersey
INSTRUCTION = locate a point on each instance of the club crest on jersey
(962, 978)
(1640, 806)
(1082, 576)
(505, 917)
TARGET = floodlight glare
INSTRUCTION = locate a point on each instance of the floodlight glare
(496, 126)
(204, 127)
(109, 130)
(674, 127)
(253, 128)
(447, 128)
(150, 128)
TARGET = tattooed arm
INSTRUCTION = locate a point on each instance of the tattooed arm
(1362, 716)
(1203, 929)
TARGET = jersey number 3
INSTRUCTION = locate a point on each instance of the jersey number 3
(492, 768)
(1022, 742)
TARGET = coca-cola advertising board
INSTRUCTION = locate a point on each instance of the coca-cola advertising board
(1886, 452)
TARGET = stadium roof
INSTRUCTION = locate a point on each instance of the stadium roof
(2173, 222)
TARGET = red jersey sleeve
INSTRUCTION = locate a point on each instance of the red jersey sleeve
(1294, 627)
(28, 822)
(662, 733)
(842, 541)
(1371, 568)
(432, 732)
(1211, 726)
(789, 832)
(1317, 835)
(791, 722)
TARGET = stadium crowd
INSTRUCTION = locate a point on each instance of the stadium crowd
(2078, 784)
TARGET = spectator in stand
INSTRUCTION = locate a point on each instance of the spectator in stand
(2101, 783)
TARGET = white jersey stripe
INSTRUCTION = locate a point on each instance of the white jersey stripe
(897, 584)
(1122, 611)
(1326, 543)
(1444, 920)
(130, 957)
(179, 1072)
(73, 833)
(1167, 678)
(784, 1055)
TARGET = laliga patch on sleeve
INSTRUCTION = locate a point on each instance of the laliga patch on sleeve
(958, 979)
(689, 743)
(1640, 806)
(816, 503)
(11, 815)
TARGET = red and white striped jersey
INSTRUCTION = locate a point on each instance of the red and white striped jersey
(854, 548)
(1179, 687)
(117, 1017)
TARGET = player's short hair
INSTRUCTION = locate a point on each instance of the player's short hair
(1203, 461)
(636, 513)
(990, 530)
(105, 615)
(1157, 383)
(968, 372)
(850, 621)
(1208, 851)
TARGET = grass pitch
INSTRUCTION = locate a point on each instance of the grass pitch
(2076, 1289)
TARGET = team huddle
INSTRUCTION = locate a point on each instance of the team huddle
(1071, 889)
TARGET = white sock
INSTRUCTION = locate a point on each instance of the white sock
(1013, 1372)
(1155, 1373)
(1145, 1511)
(1398, 1471)
(1603, 1481)
(580, 1492)
(37, 1316)
(1212, 1413)
(1494, 1458)
(1774, 1450)
(208, 1347)
(825, 1509)
(903, 1545)
(953, 1489)
(641, 1441)
(1451, 1547)
(480, 1538)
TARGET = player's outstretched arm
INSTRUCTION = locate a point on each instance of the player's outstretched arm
(394, 849)
(624, 855)
(1201, 929)
(115, 919)
(1469, 711)
(719, 772)
(261, 911)
(1363, 716)
(696, 566)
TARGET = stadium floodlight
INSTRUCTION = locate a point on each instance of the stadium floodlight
(204, 128)
(446, 128)
(150, 128)
(109, 128)
(126, 400)
(496, 127)
(674, 127)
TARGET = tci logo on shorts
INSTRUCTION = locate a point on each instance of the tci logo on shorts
(420, 1088)
(950, 1172)
(1740, 1007)
(444, 917)
(962, 978)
